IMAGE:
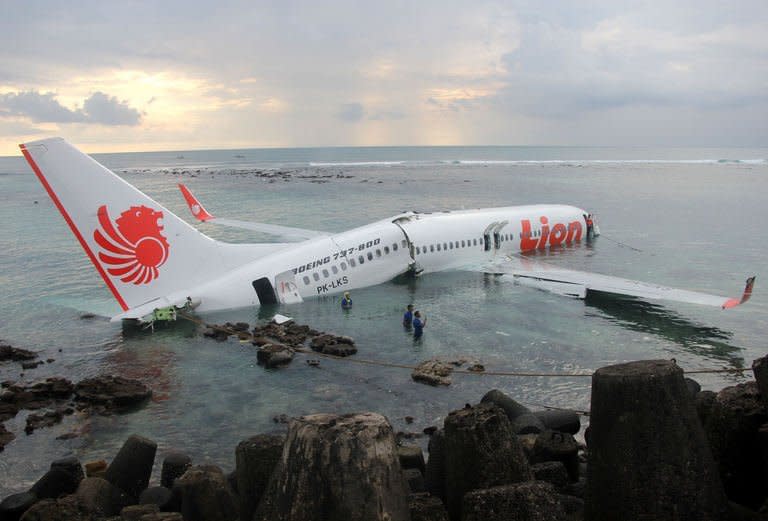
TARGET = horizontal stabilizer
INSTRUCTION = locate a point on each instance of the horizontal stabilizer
(571, 282)
(285, 232)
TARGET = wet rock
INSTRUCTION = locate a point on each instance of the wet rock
(13, 506)
(15, 354)
(553, 472)
(411, 457)
(255, 460)
(560, 420)
(71, 465)
(705, 400)
(760, 370)
(66, 508)
(481, 451)
(434, 476)
(341, 350)
(693, 386)
(274, 355)
(160, 496)
(558, 446)
(512, 408)
(132, 466)
(96, 469)
(337, 467)
(529, 501)
(163, 516)
(414, 480)
(46, 419)
(31, 365)
(205, 495)
(5, 437)
(137, 512)
(100, 497)
(424, 507)
(110, 393)
(54, 483)
(732, 428)
(432, 372)
(175, 465)
(648, 456)
(333, 345)
(7, 411)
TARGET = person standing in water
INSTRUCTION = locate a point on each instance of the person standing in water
(408, 317)
(346, 302)
(419, 324)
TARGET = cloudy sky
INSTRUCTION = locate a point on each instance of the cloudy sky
(175, 75)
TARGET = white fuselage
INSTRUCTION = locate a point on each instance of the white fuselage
(378, 252)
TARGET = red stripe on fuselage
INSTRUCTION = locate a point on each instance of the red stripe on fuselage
(72, 226)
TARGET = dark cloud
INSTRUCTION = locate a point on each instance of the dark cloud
(351, 112)
(45, 108)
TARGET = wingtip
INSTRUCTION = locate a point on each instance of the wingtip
(197, 209)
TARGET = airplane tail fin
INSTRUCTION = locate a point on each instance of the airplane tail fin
(140, 249)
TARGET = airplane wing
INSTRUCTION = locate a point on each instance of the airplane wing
(574, 283)
(286, 232)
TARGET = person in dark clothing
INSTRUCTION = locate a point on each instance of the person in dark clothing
(419, 324)
(346, 302)
(408, 317)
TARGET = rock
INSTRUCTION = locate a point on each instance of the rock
(333, 345)
(112, 392)
(693, 387)
(572, 505)
(160, 496)
(414, 480)
(732, 428)
(96, 469)
(434, 475)
(553, 472)
(560, 420)
(163, 516)
(15, 354)
(31, 365)
(337, 467)
(8, 410)
(13, 506)
(481, 451)
(558, 446)
(47, 419)
(508, 405)
(131, 468)
(274, 355)
(705, 400)
(54, 483)
(529, 501)
(137, 512)
(424, 507)
(527, 424)
(648, 456)
(175, 465)
(339, 349)
(5, 437)
(205, 495)
(63, 509)
(411, 457)
(100, 497)
(71, 465)
(760, 370)
(255, 460)
(432, 372)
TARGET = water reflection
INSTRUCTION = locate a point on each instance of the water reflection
(644, 317)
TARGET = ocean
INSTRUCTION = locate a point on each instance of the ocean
(691, 218)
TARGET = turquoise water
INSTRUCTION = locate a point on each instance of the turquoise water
(693, 218)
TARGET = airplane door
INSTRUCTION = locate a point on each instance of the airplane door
(265, 291)
(287, 289)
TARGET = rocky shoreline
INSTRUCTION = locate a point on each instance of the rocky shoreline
(657, 448)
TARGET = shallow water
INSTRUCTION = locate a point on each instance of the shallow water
(675, 217)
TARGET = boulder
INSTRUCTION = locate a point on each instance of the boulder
(175, 465)
(648, 456)
(527, 423)
(760, 370)
(553, 472)
(274, 355)
(337, 467)
(411, 457)
(561, 420)
(558, 446)
(132, 467)
(13, 506)
(424, 507)
(111, 393)
(528, 501)
(434, 475)
(63, 509)
(15, 354)
(205, 495)
(432, 372)
(100, 497)
(414, 479)
(512, 408)
(137, 512)
(54, 483)
(481, 451)
(160, 496)
(733, 431)
(255, 460)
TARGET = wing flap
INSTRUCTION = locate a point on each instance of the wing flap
(286, 232)
(545, 276)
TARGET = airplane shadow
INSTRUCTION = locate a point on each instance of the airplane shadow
(637, 315)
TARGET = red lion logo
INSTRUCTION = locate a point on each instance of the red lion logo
(136, 249)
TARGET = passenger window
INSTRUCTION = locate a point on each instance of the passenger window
(352, 262)
(370, 256)
(438, 247)
(386, 250)
(445, 246)
(394, 247)
(451, 245)
(334, 269)
(431, 247)
(343, 266)
(463, 244)
(418, 250)
(316, 276)
(306, 280)
(378, 252)
(361, 259)
(325, 273)
(404, 243)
